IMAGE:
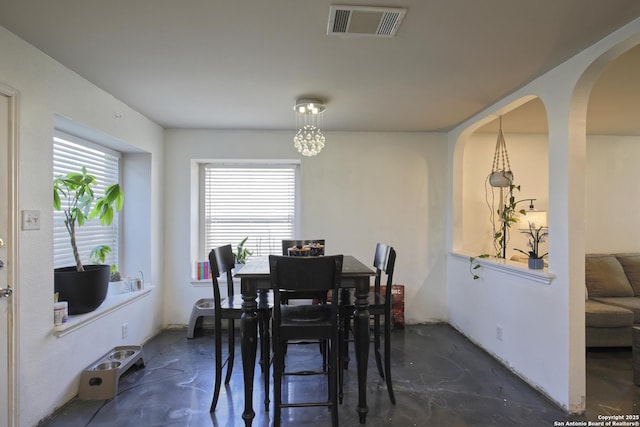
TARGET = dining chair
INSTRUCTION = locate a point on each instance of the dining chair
(380, 305)
(289, 276)
(222, 262)
(315, 247)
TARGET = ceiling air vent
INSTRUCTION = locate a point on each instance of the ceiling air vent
(364, 20)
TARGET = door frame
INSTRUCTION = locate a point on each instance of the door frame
(12, 256)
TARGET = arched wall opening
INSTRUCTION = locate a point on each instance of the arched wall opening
(535, 322)
(612, 223)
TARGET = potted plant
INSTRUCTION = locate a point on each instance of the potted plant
(84, 287)
(99, 255)
(242, 253)
(536, 236)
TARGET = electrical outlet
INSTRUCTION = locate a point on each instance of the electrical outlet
(125, 330)
(499, 332)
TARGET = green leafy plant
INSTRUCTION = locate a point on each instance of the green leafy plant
(508, 215)
(74, 194)
(474, 265)
(537, 235)
(242, 253)
(99, 255)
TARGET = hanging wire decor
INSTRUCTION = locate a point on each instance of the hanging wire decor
(501, 175)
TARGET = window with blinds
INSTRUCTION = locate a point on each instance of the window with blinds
(70, 154)
(257, 201)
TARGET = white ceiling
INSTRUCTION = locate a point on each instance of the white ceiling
(236, 64)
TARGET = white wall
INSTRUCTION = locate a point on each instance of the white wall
(49, 367)
(613, 195)
(362, 188)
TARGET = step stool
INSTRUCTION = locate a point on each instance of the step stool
(100, 380)
(202, 308)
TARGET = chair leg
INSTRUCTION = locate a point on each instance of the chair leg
(376, 344)
(345, 339)
(232, 347)
(265, 345)
(218, 363)
(343, 352)
(346, 311)
(261, 338)
(340, 357)
(334, 368)
(278, 366)
(323, 352)
(387, 357)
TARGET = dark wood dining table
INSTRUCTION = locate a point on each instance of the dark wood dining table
(254, 276)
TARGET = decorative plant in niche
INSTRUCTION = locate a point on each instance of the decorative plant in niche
(536, 236)
(508, 215)
(74, 194)
(501, 177)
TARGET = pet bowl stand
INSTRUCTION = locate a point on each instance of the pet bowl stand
(100, 380)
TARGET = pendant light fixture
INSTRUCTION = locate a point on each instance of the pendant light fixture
(309, 140)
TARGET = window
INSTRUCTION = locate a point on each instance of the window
(70, 154)
(257, 201)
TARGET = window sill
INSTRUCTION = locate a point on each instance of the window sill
(112, 303)
(512, 268)
(221, 280)
(207, 282)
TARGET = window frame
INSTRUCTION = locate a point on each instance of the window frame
(116, 240)
(258, 164)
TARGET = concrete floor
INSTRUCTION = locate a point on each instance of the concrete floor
(440, 379)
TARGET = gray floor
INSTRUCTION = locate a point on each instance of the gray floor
(440, 379)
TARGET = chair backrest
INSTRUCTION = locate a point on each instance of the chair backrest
(305, 274)
(221, 262)
(384, 261)
(317, 246)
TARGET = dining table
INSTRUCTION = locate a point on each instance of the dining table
(254, 278)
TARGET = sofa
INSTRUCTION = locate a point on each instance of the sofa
(612, 305)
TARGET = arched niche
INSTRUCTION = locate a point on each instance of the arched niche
(524, 125)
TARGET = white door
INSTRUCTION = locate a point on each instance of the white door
(7, 235)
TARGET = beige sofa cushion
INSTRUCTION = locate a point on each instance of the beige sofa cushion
(631, 266)
(605, 277)
(628, 303)
(600, 315)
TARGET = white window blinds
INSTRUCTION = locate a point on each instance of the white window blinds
(70, 154)
(254, 201)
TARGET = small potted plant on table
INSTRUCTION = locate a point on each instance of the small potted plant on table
(84, 287)
(242, 253)
(536, 235)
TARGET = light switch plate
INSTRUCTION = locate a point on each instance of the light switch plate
(31, 220)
